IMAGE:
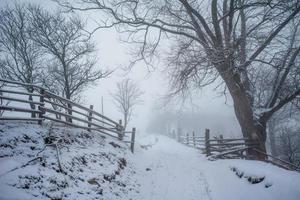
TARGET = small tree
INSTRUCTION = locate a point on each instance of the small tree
(289, 145)
(70, 49)
(284, 134)
(126, 97)
(71, 53)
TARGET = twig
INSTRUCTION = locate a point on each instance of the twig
(58, 159)
(22, 166)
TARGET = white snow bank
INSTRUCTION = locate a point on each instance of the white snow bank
(225, 184)
(93, 167)
(180, 172)
(7, 164)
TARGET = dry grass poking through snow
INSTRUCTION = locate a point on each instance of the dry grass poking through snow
(91, 166)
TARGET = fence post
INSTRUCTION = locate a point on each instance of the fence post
(220, 141)
(69, 112)
(187, 138)
(132, 140)
(120, 130)
(30, 98)
(41, 107)
(90, 118)
(207, 146)
(194, 140)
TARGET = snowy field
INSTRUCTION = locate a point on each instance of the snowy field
(95, 167)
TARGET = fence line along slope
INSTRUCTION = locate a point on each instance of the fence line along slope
(28, 102)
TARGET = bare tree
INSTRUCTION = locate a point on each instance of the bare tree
(20, 57)
(126, 97)
(70, 51)
(284, 134)
(280, 119)
(241, 42)
(289, 145)
(70, 48)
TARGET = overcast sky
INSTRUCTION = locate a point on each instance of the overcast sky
(113, 54)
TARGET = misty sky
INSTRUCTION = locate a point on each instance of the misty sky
(113, 54)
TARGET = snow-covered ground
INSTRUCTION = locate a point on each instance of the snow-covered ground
(95, 167)
(168, 170)
(179, 172)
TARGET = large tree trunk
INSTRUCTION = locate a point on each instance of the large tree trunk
(251, 127)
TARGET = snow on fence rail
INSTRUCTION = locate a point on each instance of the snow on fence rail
(43, 105)
(218, 147)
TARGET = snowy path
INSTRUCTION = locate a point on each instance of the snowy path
(178, 172)
(169, 171)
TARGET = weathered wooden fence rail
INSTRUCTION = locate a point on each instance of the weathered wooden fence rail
(44, 105)
(192, 140)
(216, 145)
(219, 147)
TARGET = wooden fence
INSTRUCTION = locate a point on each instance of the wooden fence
(216, 146)
(219, 147)
(41, 105)
(193, 140)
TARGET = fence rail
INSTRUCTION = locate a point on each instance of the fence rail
(43, 105)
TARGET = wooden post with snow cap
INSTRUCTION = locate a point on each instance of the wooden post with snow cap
(90, 118)
(207, 146)
(132, 140)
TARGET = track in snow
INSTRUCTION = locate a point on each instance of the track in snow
(173, 171)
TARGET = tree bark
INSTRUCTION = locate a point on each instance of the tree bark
(271, 133)
(251, 127)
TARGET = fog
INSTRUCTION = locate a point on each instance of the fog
(206, 110)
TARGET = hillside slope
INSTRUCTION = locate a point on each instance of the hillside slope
(92, 166)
